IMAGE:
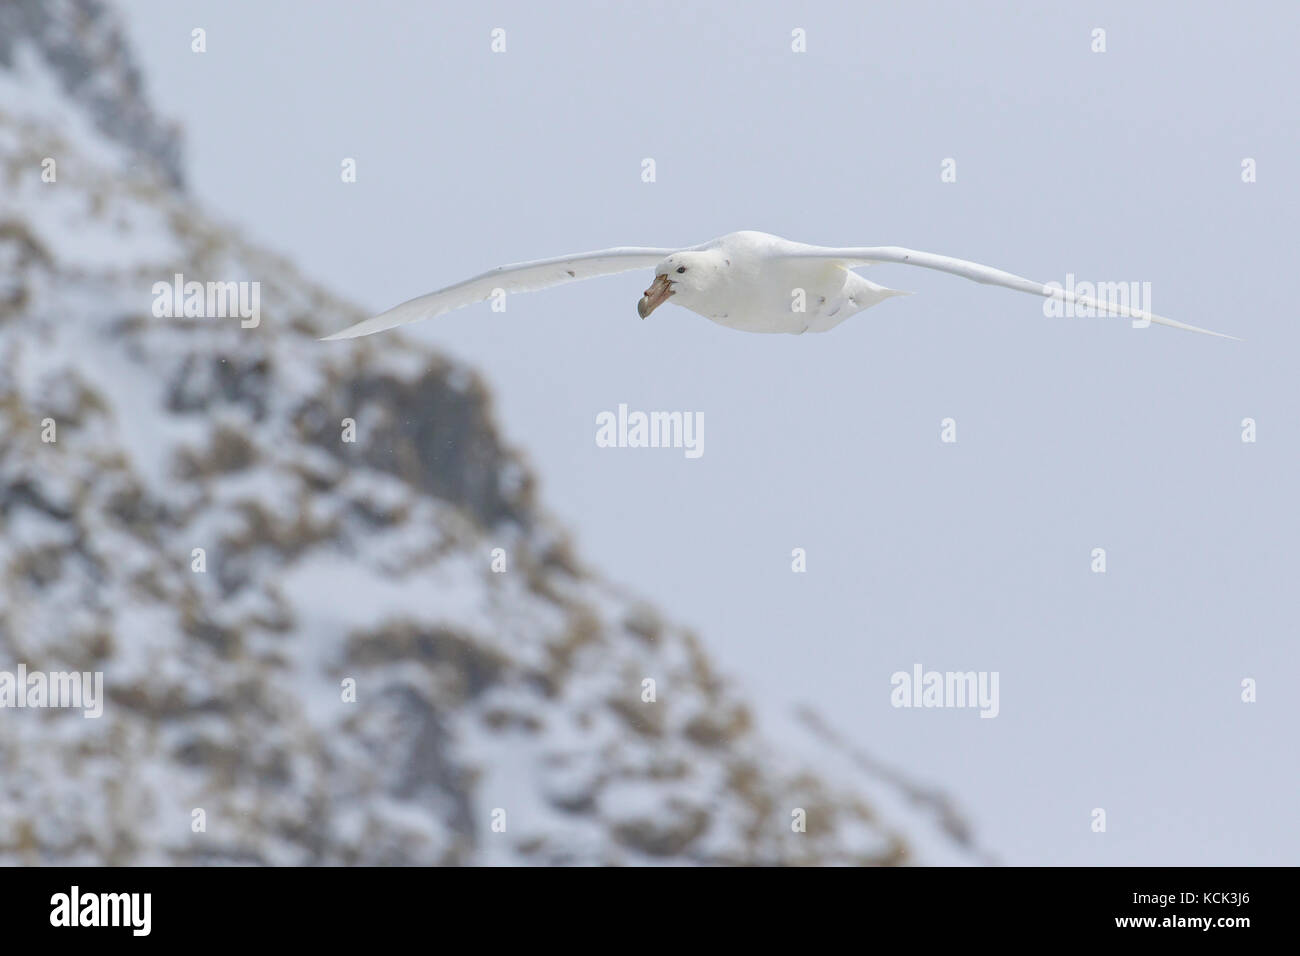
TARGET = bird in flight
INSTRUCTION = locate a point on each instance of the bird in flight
(750, 281)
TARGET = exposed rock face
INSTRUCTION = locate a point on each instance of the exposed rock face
(498, 717)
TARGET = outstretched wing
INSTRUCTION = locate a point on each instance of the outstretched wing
(519, 277)
(985, 274)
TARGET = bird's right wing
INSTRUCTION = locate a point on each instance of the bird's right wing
(518, 277)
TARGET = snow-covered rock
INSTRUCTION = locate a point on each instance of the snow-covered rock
(499, 718)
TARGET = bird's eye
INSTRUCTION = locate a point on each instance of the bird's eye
(681, 268)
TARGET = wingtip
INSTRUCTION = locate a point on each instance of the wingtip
(1175, 324)
(351, 332)
(1218, 335)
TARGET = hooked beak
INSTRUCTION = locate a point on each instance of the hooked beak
(655, 296)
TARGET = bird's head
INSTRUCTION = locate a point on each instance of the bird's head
(688, 276)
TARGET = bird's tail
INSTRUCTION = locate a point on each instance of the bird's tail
(869, 293)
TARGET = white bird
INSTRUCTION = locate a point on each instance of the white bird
(750, 281)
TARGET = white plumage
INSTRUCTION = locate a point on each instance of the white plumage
(750, 281)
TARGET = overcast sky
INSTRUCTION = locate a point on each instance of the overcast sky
(1119, 690)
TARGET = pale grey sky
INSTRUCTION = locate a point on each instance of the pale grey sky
(1119, 690)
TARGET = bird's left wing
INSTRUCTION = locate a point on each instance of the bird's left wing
(518, 277)
(985, 274)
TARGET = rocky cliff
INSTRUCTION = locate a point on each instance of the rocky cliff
(361, 644)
